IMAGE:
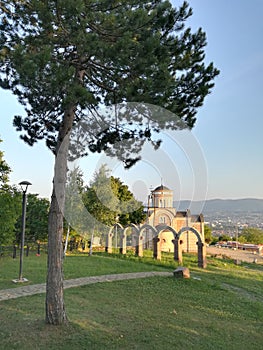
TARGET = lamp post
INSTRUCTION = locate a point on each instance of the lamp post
(24, 185)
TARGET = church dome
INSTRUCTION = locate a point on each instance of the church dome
(161, 188)
(162, 197)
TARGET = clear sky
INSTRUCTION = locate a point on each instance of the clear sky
(228, 136)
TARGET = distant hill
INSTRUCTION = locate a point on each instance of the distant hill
(221, 205)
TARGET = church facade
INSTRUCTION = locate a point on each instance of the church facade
(160, 211)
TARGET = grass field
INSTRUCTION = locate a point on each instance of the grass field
(75, 265)
(220, 307)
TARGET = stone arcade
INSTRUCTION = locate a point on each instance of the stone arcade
(164, 230)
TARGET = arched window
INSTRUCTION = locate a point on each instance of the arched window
(162, 219)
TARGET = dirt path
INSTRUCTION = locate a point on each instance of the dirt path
(236, 254)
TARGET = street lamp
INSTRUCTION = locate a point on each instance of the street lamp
(24, 185)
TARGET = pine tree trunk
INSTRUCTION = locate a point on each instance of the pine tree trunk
(55, 309)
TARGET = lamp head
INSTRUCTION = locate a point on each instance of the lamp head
(24, 185)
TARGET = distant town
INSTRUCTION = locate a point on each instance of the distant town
(232, 223)
(229, 217)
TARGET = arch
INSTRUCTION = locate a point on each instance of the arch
(161, 228)
(164, 211)
(118, 225)
(123, 243)
(110, 235)
(201, 247)
(168, 245)
(187, 228)
(141, 239)
(150, 227)
(131, 226)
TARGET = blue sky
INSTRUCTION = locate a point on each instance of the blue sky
(230, 125)
(228, 132)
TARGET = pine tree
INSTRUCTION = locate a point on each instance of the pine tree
(64, 58)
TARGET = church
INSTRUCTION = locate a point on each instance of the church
(160, 211)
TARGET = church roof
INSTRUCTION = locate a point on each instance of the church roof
(161, 188)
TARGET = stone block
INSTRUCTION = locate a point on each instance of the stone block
(182, 272)
(237, 262)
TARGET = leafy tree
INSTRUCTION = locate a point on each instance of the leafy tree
(10, 214)
(77, 220)
(74, 208)
(242, 239)
(208, 234)
(101, 204)
(10, 204)
(63, 58)
(129, 209)
(4, 170)
(99, 199)
(251, 235)
(109, 201)
(224, 238)
(37, 218)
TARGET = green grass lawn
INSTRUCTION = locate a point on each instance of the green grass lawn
(220, 307)
(75, 265)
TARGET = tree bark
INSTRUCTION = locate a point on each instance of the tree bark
(55, 308)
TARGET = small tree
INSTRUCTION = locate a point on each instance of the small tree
(100, 201)
(109, 200)
(5, 170)
(251, 235)
(74, 212)
(10, 204)
(224, 238)
(37, 218)
(129, 209)
(208, 234)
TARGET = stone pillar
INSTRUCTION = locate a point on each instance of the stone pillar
(108, 247)
(156, 248)
(139, 245)
(136, 244)
(123, 244)
(201, 254)
(178, 255)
